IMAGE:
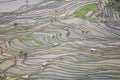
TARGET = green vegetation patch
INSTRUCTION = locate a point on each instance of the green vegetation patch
(27, 38)
(83, 11)
(13, 76)
(114, 4)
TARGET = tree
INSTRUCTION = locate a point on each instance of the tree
(27, 2)
(117, 0)
(15, 25)
(115, 4)
(24, 55)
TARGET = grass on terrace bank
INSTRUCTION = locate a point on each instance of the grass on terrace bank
(29, 38)
(83, 11)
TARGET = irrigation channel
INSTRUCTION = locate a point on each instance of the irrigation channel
(37, 44)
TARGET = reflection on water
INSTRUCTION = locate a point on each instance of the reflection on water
(15, 5)
(38, 44)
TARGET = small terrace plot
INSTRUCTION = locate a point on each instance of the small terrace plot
(86, 12)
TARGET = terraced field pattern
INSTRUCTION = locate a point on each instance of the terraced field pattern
(59, 40)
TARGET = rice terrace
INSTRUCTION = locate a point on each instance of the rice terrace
(59, 39)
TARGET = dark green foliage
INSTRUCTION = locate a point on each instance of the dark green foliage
(117, 0)
(114, 4)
